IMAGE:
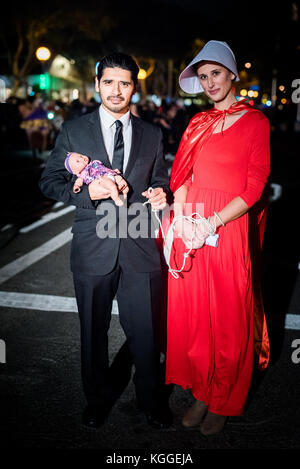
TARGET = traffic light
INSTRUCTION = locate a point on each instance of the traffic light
(44, 81)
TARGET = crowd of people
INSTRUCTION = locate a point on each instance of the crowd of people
(35, 123)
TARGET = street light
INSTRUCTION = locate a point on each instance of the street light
(43, 54)
(142, 75)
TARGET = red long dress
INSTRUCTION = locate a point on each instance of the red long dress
(211, 305)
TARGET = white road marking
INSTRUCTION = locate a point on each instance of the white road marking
(15, 267)
(43, 302)
(60, 303)
(292, 321)
(46, 219)
(277, 192)
(68, 304)
(6, 227)
(57, 205)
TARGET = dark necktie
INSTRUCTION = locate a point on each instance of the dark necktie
(118, 156)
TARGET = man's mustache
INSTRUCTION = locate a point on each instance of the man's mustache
(114, 97)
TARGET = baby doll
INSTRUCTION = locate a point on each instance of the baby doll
(87, 172)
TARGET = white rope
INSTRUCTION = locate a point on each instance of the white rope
(195, 221)
(175, 272)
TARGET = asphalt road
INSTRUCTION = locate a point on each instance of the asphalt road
(41, 399)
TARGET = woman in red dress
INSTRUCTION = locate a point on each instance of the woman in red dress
(215, 314)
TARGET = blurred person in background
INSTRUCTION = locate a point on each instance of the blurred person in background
(36, 124)
(172, 121)
(134, 110)
(147, 110)
(75, 109)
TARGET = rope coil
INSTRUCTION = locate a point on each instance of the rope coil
(211, 240)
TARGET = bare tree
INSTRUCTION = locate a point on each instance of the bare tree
(29, 35)
(85, 40)
(77, 33)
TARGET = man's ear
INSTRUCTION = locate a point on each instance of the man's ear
(96, 84)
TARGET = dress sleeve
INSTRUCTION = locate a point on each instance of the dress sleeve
(259, 161)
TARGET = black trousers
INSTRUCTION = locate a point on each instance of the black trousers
(139, 301)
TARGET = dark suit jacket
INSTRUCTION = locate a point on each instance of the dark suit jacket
(146, 167)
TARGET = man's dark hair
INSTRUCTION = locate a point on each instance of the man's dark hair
(121, 61)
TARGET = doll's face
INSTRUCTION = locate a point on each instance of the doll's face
(78, 162)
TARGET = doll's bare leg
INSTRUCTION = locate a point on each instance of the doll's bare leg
(109, 184)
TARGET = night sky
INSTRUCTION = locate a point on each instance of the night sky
(261, 32)
(169, 26)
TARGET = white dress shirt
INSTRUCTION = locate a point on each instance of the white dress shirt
(108, 131)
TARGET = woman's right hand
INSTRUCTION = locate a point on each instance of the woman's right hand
(185, 230)
(190, 235)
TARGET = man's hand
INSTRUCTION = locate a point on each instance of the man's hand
(97, 191)
(157, 198)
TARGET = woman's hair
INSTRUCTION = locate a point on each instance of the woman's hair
(119, 60)
(197, 64)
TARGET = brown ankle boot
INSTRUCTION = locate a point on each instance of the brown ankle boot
(195, 414)
(212, 424)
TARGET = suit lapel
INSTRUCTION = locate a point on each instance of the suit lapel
(137, 132)
(95, 129)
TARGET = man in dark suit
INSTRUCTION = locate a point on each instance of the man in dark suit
(121, 260)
